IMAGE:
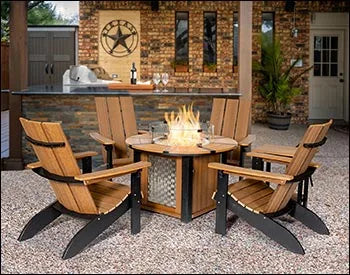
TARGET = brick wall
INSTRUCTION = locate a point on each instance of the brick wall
(158, 41)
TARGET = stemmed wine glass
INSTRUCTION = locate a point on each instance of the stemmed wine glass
(156, 80)
(165, 80)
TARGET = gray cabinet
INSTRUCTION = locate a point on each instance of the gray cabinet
(50, 51)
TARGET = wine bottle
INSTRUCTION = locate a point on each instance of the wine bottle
(133, 74)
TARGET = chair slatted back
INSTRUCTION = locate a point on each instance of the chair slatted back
(117, 121)
(300, 162)
(230, 117)
(59, 161)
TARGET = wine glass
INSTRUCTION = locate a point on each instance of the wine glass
(165, 80)
(156, 80)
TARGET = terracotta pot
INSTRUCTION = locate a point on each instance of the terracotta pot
(278, 122)
(181, 68)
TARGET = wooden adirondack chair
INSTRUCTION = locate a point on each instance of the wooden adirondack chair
(90, 195)
(116, 121)
(257, 203)
(230, 118)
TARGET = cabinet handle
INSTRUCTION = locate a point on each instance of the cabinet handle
(47, 68)
(52, 68)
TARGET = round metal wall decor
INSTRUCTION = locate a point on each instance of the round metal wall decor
(119, 38)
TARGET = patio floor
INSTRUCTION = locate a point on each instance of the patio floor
(165, 245)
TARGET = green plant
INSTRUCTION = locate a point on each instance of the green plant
(210, 66)
(175, 62)
(277, 85)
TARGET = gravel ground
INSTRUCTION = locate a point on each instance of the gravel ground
(165, 245)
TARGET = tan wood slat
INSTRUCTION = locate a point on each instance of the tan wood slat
(178, 194)
(260, 204)
(248, 140)
(128, 114)
(217, 114)
(126, 86)
(69, 166)
(243, 117)
(46, 156)
(122, 161)
(110, 192)
(103, 121)
(256, 196)
(250, 173)
(102, 139)
(111, 184)
(34, 165)
(116, 126)
(94, 177)
(245, 192)
(240, 185)
(287, 151)
(104, 204)
(85, 154)
(230, 118)
(144, 179)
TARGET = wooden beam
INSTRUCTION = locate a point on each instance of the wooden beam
(245, 16)
(18, 79)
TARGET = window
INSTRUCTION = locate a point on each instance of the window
(181, 38)
(209, 41)
(325, 56)
(268, 26)
(235, 40)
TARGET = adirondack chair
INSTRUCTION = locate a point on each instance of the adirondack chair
(257, 203)
(263, 156)
(230, 118)
(91, 195)
(116, 121)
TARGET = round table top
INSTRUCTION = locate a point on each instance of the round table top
(218, 144)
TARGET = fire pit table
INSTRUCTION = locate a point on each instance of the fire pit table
(179, 182)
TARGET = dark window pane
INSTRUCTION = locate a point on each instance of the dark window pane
(334, 42)
(209, 42)
(325, 42)
(325, 56)
(325, 69)
(267, 26)
(317, 42)
(317, 69)
(181, 38)
(235, 39)
(317, 56)
(334, 69)
(334, 56)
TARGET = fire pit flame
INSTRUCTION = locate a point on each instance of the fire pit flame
(184, 128)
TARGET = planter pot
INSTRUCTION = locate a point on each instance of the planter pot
(181, 68)
(278, 122)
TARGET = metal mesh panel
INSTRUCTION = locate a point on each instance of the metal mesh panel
(162, 181)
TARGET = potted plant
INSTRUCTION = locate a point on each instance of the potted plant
(209, 67)
(179, 65)
(277, 85)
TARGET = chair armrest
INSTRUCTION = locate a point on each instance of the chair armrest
(82, 155)
(251, 174)
(101, 139)
(98, 176)
(277, 159)
(34, 165)
(248, 140)
(280, 150)
(140, 132)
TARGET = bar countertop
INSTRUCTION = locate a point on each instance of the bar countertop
(103, 90)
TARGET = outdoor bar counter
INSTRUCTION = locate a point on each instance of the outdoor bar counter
(75, 108)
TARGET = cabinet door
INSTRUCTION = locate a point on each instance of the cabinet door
(38, 57)
(62, 54)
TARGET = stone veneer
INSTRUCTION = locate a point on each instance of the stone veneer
(158, 38)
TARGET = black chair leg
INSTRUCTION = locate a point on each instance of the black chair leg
(135, 202)
(94, 228)
(309, 218)
(221, 203)
(39, 221)
(268, 226)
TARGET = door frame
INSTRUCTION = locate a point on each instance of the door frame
(340, 21)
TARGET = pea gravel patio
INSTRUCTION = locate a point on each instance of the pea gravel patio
(165, 245)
